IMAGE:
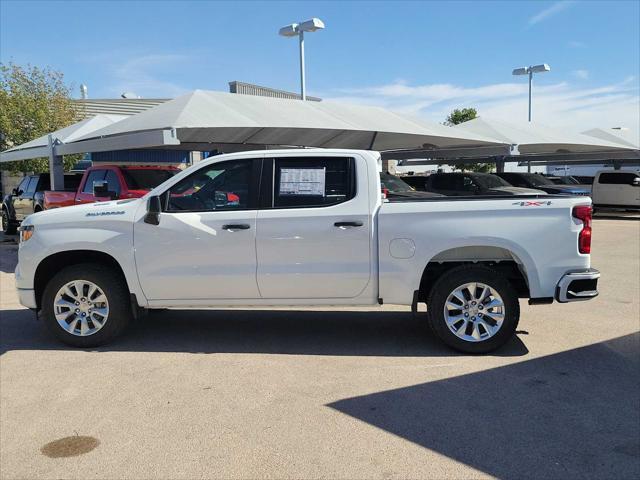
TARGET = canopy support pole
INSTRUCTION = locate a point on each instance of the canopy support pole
(56, 167)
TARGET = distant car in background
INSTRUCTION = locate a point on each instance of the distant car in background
(108, 182)
(471, 183)
(583, 179)
(617, 189)
(563, 180)
(28, 198)
(393, 186)
(540, 182)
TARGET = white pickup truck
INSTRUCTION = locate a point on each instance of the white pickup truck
(303, 227)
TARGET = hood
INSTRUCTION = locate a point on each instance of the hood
(89, 212)
(575, 189)
(517, 191)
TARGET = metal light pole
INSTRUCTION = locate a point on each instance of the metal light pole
(530, 70)
(298, 29)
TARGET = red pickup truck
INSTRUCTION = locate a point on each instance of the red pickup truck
(111, 182)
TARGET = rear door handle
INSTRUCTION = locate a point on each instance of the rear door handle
(348, 224)
(239, 226)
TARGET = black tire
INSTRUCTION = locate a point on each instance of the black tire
(453, 279)
(9, 227)
(114, 288)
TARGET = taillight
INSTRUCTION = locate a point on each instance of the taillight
(583, 213)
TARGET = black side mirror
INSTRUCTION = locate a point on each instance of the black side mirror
(153, 211)
(101, 190)
(15, 191)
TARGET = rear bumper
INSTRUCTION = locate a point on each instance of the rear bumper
(578, 286)
(27, 297)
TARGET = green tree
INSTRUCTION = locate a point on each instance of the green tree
(33, 102)
(460, 116)
(457, 117)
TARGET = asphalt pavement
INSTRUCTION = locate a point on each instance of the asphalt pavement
(325, 393)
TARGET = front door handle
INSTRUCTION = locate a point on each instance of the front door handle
(239, 226)
(348, 224)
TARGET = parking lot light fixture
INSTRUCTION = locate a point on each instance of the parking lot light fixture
(530, 71)
(298, 29)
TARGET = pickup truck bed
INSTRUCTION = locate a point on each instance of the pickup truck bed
(304, 227)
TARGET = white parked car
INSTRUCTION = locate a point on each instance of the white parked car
(304, 227)
(617, 189)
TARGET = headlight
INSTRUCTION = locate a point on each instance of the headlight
(26, 232)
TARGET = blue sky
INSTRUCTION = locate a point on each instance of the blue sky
(422, 58)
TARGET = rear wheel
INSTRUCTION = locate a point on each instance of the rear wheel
(8, 226)
(473, 309)
(86, 305)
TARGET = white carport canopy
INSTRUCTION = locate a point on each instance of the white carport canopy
(529, 143)
(201, 120)
(40, 146)
(533, 138)
(611, 135)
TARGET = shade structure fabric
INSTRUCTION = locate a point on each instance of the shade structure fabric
(533, 138)
(611, 135)
(206, 117)
(39, 147)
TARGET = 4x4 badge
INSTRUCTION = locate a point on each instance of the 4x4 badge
(531, 204)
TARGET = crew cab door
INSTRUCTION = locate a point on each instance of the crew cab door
(204, 246)
(23, 203)
(85, 193)
(314, 228)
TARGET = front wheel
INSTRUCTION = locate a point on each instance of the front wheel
(473, 309)
(8, 227)
(86, 305)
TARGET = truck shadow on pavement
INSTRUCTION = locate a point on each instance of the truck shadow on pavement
(575, 414)
(369, 333)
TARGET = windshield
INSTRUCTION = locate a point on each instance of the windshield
(567, 181)
(536, 180)
(394, 184)
(490, 181)
(147, 178)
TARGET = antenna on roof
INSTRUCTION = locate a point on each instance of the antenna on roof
(129, 95)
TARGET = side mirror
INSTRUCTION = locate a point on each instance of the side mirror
(636, 182)
(101, 190)
(15, 191)
(153, 211)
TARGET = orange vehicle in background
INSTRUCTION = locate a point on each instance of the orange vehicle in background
(112, 182)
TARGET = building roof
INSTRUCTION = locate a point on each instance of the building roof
(115, 106)
(251, 89)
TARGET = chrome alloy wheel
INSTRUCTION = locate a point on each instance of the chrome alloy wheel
(474, 312)
(81, 308)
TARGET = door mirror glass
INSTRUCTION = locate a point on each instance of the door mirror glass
(153, 210)
(101, 190)
(636, 182)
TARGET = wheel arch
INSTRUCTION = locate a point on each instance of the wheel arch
(497, 258)
(52, 264)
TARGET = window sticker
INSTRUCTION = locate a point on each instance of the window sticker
(303, 181)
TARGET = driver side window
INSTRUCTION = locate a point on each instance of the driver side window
(219, 186)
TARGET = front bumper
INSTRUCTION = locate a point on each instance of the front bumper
(578, 286)
(27, 297)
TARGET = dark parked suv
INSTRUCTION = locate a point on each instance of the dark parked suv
(465, 184)
(535, 180)
(28, 198)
